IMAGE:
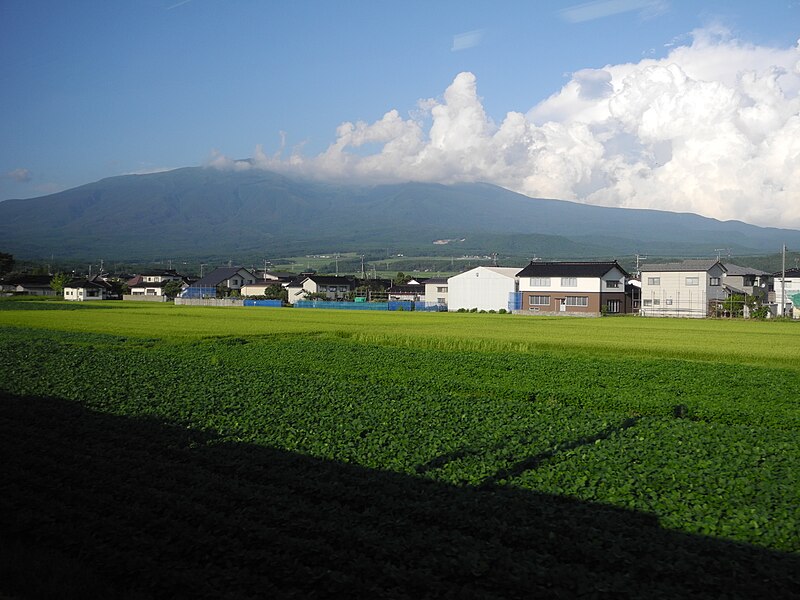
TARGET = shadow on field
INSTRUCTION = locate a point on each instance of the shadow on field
(98, 506)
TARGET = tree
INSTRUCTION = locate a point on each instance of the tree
(733, 305)
(173, 288)
(6, 263)
(276, 292)
(401, 278)
(58, 282)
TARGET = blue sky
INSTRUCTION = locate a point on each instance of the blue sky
(561, 92)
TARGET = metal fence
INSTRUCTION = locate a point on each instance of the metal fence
(270, 303)
(194, 292)
(394, 305)
(341, 305)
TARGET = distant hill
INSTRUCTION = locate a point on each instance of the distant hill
(204, 212)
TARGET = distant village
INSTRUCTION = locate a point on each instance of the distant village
(691, 288)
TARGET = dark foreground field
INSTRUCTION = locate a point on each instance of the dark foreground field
(100, 506)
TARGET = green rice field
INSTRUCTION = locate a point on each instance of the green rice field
(155, 450)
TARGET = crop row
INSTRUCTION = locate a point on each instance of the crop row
(707, 448)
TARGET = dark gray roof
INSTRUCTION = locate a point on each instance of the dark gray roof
(436, 281)
(161, 273)
(85, 283)
(31, 280)
(789, 273)
(569, 269)
(324, 280)
(686, 265)
(219, 275)
(736, 270)
(408, 288)
(732, 289)
(158, 284)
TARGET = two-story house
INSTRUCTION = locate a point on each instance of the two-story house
(224, 279)
(787, 289)
(436, 292)
(88, 289)
(684, 289)
(151, 283)
(331, 286)
(577, 288)
(746, 281)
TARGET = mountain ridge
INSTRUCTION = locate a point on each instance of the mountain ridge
(202, 211)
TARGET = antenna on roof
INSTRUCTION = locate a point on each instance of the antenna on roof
(638, 258)
(718, 250)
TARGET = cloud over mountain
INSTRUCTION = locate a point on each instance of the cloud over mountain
(712, 128)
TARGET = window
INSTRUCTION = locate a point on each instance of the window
(577, 301)
(668, 301)
(539, 300)
(612, 306)
(612, 284)
(656, 302)
(540, 282)
(441, 290)
(715, 281)
(692, 281)
(569, 282)
(654, 281)
(441, 301)
(647, 303)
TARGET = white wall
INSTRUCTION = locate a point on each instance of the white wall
(673, 298)
(484, 288)
(432, 296)
(792, 287)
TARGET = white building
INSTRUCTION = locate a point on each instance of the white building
(484, 288)
(792, 290)
(332, 287)
(682, 289)
(436, 291)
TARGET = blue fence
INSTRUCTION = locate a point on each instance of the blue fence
(199, 292)
(273, 303)
(430, 307)
(400, 305)
(341, 305)
(514, 301)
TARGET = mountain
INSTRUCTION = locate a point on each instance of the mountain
(204, 212)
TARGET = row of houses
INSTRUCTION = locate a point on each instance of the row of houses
(684, 289)
(587, 288)
(691, 288)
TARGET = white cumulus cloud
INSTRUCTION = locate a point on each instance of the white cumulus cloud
(712, 128)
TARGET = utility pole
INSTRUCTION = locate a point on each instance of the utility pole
(783, 281)
(639, 257)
